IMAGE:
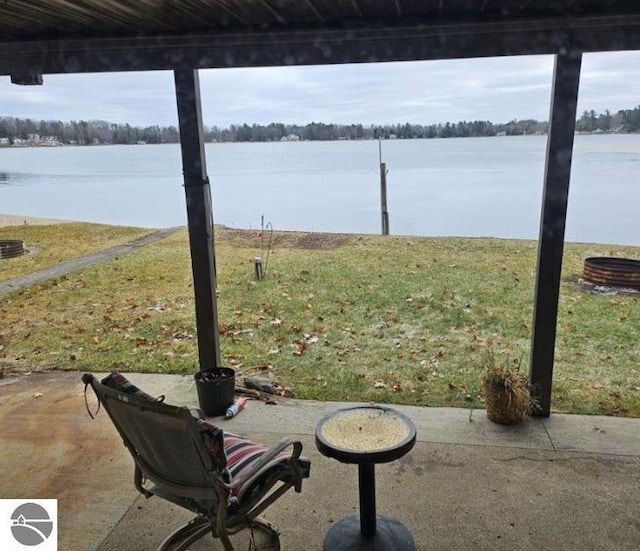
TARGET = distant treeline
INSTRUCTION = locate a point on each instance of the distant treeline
(14, 130)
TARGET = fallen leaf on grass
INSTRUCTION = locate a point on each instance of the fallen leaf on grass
(300, 347)
(350, 349)
(283, 391)
(379, 384)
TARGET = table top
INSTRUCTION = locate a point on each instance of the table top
(368, 433)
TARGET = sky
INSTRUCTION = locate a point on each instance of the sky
(419, 92)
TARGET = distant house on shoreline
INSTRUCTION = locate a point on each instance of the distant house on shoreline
(32, 140)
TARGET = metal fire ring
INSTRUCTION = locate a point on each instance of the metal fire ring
(612, 271)
(11, 248)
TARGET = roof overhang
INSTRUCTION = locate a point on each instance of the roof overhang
(343, 41)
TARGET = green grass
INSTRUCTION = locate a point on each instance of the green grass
(52, 244)
(385, 319)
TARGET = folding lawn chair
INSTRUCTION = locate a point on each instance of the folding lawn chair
(225, 479)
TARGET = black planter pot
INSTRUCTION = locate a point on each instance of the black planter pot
(215, 388)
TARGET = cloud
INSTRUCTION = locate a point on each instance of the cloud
(137, 98)
(421, 92)
(497, 89)
(610, 81)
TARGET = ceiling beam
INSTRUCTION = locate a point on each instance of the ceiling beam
(322, 46)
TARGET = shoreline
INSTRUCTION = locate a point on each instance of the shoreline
(8, 220)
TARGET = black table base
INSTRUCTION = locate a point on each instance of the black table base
(390, 535)
(367, 531)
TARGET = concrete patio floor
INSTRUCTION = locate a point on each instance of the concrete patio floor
(567, 482)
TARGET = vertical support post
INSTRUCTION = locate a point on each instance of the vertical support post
(383, 191)
(199, 215)
(367, 484)
(562, 122)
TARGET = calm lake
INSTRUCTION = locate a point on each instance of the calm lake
(464, 187)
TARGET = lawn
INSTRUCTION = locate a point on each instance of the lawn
(339, 317)
(52, 244)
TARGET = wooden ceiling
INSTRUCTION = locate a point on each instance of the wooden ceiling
(104, 35)
(63, 19)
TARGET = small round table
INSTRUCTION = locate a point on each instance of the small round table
(366, 435)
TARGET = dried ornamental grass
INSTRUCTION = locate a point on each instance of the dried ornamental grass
(365, 430)
(506, 391)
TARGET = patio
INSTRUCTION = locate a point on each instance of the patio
(565, 482)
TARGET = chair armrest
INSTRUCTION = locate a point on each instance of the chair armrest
(257, 468)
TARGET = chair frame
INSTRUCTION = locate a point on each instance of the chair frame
(222, 508)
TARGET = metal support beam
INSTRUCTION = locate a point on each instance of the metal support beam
(562, 123)
(368, 41)
(199, 215)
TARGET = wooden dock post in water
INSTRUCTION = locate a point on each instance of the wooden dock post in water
(383, 191)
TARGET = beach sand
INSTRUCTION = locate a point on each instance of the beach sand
(15, 220)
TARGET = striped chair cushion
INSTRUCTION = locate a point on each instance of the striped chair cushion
(242, 454)
(239, 454)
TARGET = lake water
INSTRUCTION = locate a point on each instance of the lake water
(464, 187)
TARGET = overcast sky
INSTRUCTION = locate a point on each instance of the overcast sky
(496, 89)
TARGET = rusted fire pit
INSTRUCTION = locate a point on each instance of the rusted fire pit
(10, 248)
(612, 271)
